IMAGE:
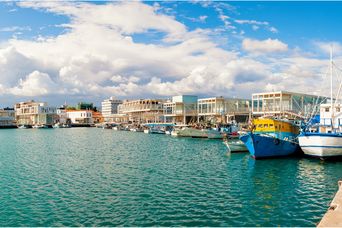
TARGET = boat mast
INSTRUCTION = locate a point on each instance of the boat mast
(331, 79)
(331, 88)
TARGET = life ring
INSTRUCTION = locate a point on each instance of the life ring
(276, 141)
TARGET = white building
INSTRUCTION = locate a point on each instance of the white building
(80, 116)
(285, 103)
(32, 113)
(181, 109)
(7, 118)
(220, 109)
(110, 107)
(62, 115)
(143, 110)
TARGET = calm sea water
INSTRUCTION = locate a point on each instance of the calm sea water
(96, 177)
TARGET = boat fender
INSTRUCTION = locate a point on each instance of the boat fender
(276, 141)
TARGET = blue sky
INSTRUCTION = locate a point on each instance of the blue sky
(296, 22)
(80, 51)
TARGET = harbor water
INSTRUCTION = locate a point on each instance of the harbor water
(98, 177)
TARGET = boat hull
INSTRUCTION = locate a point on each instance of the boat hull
(235, 145)
(321, 145)
(262, 146)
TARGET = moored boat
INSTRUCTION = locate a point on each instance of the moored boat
(234, 144)
(40, 126)
(271, 138)
(321, 145)
(326, 142)
(24, 126)
(185, 131)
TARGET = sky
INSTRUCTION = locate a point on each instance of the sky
(68, 51)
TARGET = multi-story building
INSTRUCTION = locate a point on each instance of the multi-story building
(181, 109)
(285, 103)
(110, 108)
(7, 118)
(222, 110)
(80, 117)
(35, 113)
(143, 110)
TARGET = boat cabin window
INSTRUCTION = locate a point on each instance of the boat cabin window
(265, 125)
(260, 125)
(271, 125)
(326, 109)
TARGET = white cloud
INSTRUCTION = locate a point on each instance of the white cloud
(264, 46)
(203, 18)
(273, 29)
(15, 29)
(126, 17)
(98, 56)
(326, 46)
(35, 84)
(256, 25)
(252, 22)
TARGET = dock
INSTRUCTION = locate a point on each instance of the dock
(333, 217)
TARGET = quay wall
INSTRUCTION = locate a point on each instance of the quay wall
(333, 217)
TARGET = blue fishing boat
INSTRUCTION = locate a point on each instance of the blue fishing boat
(271, 138)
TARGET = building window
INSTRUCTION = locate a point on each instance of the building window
(337, 109)
(326, 109)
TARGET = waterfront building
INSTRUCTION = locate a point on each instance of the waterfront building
(181, 109)
(35, 113)
(80, 117)
(62, 115)
(118, 118)
(222, 110)
(110, 107)
(285, 103)
(7, 118)
(238, 110)
(97, 117)
(143, 110)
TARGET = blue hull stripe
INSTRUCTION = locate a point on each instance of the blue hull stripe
(320, 135)
(322, 146)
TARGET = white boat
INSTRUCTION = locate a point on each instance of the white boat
(39, 126)
(147, 131)
(214, 134)
(234, 144)
(196, 133)
(136, 129)
(327, 142)
(23, 127)
(157, 131)
(321, 145)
